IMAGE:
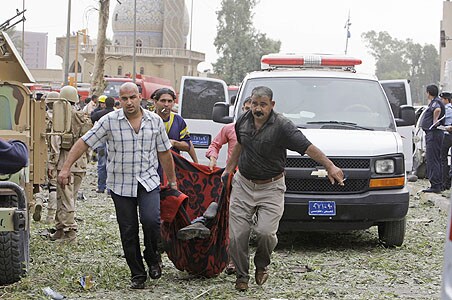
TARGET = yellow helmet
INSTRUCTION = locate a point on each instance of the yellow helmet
(69, 93)
(102, 98)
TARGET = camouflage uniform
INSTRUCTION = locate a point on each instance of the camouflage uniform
(65, 214)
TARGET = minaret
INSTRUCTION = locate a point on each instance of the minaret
(173, 24)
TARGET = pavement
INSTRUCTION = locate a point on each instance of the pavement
(442, 200)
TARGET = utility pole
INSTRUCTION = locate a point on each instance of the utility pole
(68, 37)
(190, 71)
(134, 58)
(347, 26)
(23, 30)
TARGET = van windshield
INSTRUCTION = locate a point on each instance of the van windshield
(318, 102)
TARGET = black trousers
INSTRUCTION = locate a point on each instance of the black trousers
(148, 204)
(447, 143)
(433, 143)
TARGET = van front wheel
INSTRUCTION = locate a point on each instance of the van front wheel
(392, 233)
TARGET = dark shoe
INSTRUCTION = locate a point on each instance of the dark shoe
(241, 286)
(155, 271)
(261, 276)
(37, 213)
(195, 230)
(431, 190)
(211, 211)
(230, 269)
(136, 285)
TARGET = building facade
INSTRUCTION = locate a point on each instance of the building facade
(162, 28)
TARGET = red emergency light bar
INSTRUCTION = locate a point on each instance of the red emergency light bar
(273, 60)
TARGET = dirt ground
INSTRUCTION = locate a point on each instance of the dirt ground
(352, 265)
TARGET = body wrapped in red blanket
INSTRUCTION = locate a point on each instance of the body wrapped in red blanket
(198, 187)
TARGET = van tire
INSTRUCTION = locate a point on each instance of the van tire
(392, 233)
(14, 249)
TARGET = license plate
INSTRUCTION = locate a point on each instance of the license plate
(7, 219)
(322, 208)
(200, 140)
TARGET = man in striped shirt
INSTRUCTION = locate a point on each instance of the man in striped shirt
(136, 142)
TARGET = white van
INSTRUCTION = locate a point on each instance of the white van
(398, 92)
(348, 116)
(196, 101)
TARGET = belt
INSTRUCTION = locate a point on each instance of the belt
(264, 181)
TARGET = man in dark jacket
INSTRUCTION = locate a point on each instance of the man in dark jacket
(102, 150)
(13, 156)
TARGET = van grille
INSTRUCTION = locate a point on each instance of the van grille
(343, 163)
(310, 185)
(295, 185)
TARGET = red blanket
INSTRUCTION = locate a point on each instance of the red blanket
(198, 187)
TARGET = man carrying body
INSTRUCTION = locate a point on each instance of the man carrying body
(176, 128)
(136, 142)
(263, 136)
(225, 136)
(433, 118)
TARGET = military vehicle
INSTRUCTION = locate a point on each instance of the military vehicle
(21, 118)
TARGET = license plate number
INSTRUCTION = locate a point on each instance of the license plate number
(322, 208)
(200, 140)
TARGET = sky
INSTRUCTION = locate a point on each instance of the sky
(302, 26)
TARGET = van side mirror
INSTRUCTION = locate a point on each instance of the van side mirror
(220, 113)
(61, 116)
(407, 116)
(232, 100)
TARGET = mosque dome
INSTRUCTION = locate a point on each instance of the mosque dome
(150, 22)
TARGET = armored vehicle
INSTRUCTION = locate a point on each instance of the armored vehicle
(21, 118)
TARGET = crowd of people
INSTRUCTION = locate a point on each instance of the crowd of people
(133, 146)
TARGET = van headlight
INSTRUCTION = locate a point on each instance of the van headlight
(384, 166)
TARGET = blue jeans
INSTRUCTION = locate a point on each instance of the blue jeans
(148, 204)
(102, 167)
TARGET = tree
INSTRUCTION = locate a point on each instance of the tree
(98, 83)
(239, 45)
(397, 59)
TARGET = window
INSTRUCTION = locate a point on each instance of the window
(199, 98)
(116, 17)
(396, 93)
(139, 44)
(119, 70)
(309, 101)
(141, 70)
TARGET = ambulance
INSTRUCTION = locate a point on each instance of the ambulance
(348, 116)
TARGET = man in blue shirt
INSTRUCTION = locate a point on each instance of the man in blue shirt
(175, 125)
(447, 141)
(433, 117)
